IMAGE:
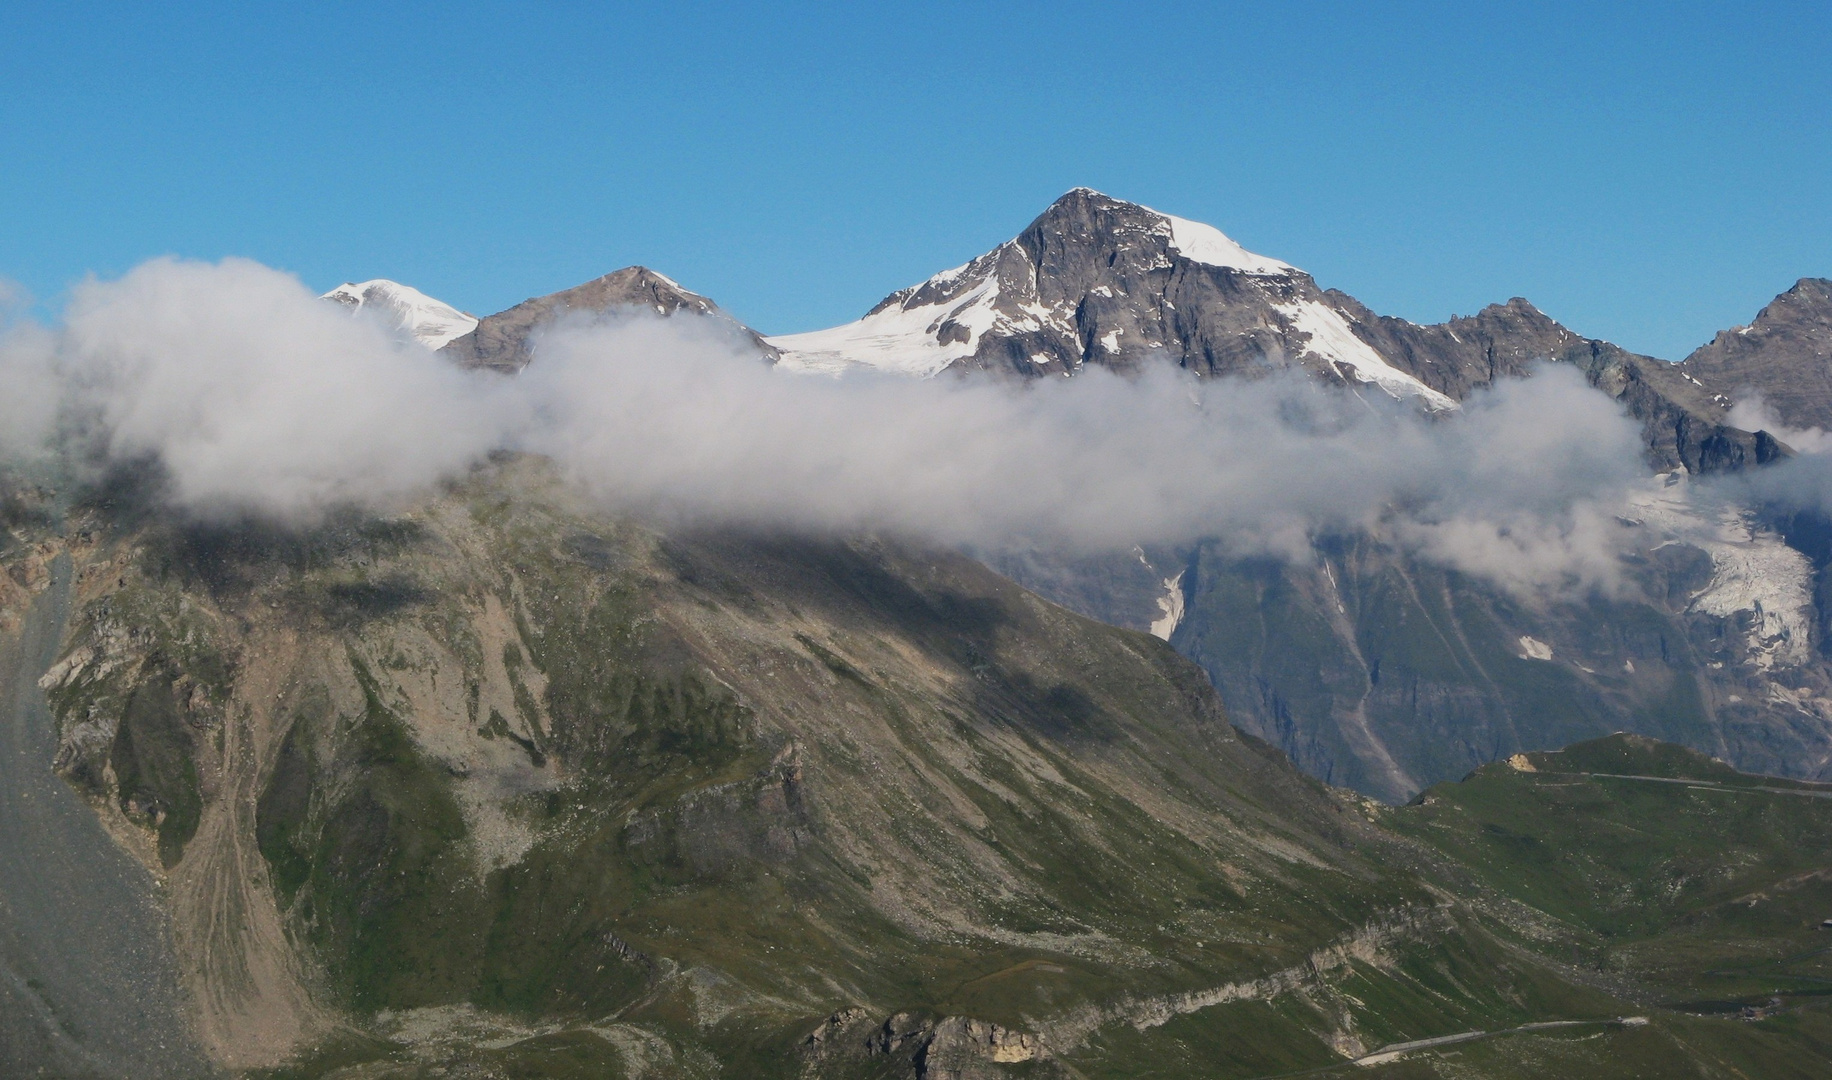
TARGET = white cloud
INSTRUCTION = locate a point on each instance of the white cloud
(258, 396)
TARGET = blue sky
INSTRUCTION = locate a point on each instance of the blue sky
(1645, 173)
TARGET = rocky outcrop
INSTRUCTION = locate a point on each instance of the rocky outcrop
(923, 1047)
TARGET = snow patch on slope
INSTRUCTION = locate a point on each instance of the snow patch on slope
(1210, 246)
(430, 322)
(1332, 340)
(1170, 608)
(1531, 648)
(901, 338)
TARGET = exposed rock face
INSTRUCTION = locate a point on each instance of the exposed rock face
(1377, 670)
(924, 1047)
(1685, 424)
(1097, 281)
(505, 341)
(1785, 355)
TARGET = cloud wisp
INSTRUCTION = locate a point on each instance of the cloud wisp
(258, 397)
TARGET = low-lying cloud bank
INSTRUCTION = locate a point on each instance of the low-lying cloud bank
(258, 397)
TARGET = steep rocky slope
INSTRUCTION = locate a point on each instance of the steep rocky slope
(88, 981)
(1376, 669)
(503, 755)
(1784, 354)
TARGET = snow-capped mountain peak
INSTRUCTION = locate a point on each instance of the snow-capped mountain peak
(430, 322)
(1065, 292)
(1097, 280)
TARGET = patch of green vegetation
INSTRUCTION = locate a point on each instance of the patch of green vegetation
(1694, 883)
(155, 766)
(393, 889)
(228, 558)
(283, 822)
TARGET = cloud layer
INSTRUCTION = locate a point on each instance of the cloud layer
(259, 397)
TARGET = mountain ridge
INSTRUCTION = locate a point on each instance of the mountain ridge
(1042, 304)
(505, 788)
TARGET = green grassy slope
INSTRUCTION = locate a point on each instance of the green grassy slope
(1691, 890)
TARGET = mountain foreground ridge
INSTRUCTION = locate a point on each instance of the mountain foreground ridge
(503, 787)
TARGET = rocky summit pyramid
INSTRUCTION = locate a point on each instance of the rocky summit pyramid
(1369, 667)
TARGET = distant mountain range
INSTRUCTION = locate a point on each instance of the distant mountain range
(1726, 652)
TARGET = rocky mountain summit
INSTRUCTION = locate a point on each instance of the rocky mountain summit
(1370, 667)
(1098, 281)
(505, 341)
(1784, 354)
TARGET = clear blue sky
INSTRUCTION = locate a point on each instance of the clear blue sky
(1645, 173)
